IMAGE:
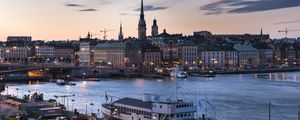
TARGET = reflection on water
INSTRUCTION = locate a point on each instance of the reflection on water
(279, 76)
(234, 96)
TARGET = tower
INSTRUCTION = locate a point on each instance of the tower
(261, 31)
(121, 35)
(142, 24)
(154, 28)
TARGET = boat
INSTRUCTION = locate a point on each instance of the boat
(208, 74)
(146, 109)
(60, 82)
(71, 83)
(178, 73)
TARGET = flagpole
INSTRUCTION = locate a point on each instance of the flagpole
(299, 112)
(269, 109)
(206, 106)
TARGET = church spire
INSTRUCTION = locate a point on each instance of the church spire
(142, 15)
(142, 30)
(121, 36)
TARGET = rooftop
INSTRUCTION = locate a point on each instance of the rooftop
(135, 103)
(240, 47)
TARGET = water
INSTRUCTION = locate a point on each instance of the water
(243, 97)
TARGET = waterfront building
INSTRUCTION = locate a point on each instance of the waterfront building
(16, 53)
(142, 30)
(231, 56)
(87, 48)
(277, 55)
(170, 53)
(247, 55)
(64, 53)
(154, 28)
(211, 56)
(133, 53)
(291, 57)
(111, 53)
(266, 53)
(151, 56)
(85, 54)
(44, 52)
(297, 61)
(2, 51)
(188, 54)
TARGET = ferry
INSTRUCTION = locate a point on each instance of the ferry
(146, 109)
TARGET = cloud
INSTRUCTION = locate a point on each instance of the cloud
(73, 5)
(129, 14)
(287, 22)
(88, 10)
(247, 6)
(152, 8)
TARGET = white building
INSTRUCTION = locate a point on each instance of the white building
(188, 54)
(211, 57)
(85, 54)
(16, 53)
(45, 52)
(231, 57)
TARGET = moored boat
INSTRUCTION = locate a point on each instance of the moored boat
(208, 74)
(60, 82)
(146, 109)
(178, 73)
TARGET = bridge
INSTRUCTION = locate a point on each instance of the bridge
(28, 67)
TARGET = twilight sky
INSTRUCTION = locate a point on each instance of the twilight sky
(69, 19)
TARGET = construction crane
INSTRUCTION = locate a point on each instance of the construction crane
(104, 33)
(94, 35)
(286, 31)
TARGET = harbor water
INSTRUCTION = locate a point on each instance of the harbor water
(231, 97)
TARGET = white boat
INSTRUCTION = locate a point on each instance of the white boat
(135, 109)
(178, 73)
(60, 82)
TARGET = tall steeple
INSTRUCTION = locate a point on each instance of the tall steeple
(142, 24)
(142, 15)
(121, 35)
(261, 31)
(154, 28)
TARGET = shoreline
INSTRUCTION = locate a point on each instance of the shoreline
(151, 76)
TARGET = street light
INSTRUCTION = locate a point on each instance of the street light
(73, 104)
(17, 91)
(6, 90)
(92, 104)
(86, 105)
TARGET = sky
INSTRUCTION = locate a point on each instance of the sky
(71, 19)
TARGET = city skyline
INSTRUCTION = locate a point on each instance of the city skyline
(61, 20)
